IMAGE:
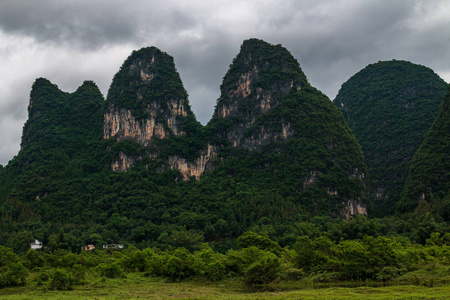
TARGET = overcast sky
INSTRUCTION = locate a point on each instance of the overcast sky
(68, 42)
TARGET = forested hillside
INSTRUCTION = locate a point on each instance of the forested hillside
(273, 190)
(277, 158)
(428, 183)
(139, 168)
(280, 134)
(389, 106)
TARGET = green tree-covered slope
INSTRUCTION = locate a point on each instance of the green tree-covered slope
(282, 134)
(139, 168)
(389, 106)
(61, 148)
(429, 177)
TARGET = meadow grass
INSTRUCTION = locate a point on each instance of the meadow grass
(136, 286)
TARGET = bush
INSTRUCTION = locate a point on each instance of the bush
(13, 274)
(42, 275)
(111, 270)
(263, 271)
(179, 265)
(293, 274)
(239, 261)
(215, 271)
(155, 262)
(175, 269)
(78, 273)
(135, 261)
(33, 259)
(388, 273)
(61, 280)
(251, 238)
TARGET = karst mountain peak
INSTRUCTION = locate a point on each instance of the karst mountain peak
(275, 146)
(266, 106)
(281, 182)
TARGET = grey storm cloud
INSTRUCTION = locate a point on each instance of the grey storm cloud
(91, 24)
(71, 41)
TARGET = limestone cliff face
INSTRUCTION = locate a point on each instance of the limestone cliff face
(194, 168)
(260, 76)
(120, 123)
(301, 142)
(123, 163)
(350, 207)
(147, 103)
(353, 208)
(146, 99)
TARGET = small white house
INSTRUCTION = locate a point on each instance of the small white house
(113, 246)
(36, 245)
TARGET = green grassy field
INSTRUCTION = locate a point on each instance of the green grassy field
(136, 286)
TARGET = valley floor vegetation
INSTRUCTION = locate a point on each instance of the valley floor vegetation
(370, 267)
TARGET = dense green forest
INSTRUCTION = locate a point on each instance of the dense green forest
(257, 260)
(390, 105)
(428, 182)
(281, 188)
(302, 160)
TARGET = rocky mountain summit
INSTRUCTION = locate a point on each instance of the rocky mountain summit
(146, 102)
(259, 79)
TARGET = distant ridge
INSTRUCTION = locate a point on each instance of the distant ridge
(429, 177)
(389, 106)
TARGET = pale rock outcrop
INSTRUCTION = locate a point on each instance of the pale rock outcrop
(257, 102)
(311, 179)
(123, 163)
(141, 110)
(196, 168)
(353, 208)
(265, 135)
(119, 123)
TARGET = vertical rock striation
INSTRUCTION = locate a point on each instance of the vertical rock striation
(146, 99)
(147, 103)
(260, 76)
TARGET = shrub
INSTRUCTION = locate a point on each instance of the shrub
(293, 274)
(33, 259)
(388, 273)
(263, 271)
(179, 265)
(186, 266)
(42, 275)
(78, 273)
(135, 261)
(251, 238)
(61, 280)
(215, 271)
(306, 256)
(112, 270)
(238, 261)
(13, 274)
